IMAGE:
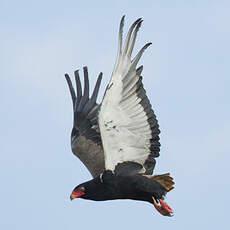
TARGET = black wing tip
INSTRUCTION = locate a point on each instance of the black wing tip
(76, 73)
(86, 74)
(139, 70)
(100, 75)
(97, 87)
(136, 24)
(139, 23)
(147, 45)
(138, 20)
(99, 78)
(67, 76)
(122, 22)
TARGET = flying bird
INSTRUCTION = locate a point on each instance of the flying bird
(118, 139)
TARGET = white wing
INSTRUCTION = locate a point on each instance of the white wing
(128, 126)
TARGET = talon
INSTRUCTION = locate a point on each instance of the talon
(163, 208)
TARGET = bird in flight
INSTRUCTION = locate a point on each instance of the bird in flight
(118, 139)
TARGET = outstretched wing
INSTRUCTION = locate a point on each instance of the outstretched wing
(85, 137)
(128, 125)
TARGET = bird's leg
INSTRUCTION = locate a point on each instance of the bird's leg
(163, 208)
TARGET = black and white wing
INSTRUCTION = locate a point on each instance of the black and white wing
(128, 125)
(85, 137)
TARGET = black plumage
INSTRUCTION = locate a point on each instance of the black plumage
(111, 186)
(118, 140)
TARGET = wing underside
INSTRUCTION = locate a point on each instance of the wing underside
(85, 136)
(128, 125)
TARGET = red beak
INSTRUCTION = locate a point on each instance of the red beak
(77, 193)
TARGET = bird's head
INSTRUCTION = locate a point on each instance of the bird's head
(87, 190)
(78, 192)
(94, 189)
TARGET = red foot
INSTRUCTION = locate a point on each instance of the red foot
(163, 208)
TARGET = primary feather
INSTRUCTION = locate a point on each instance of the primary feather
(127, 123)
(85, 137)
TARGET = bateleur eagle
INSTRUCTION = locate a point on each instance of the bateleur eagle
(118, 140)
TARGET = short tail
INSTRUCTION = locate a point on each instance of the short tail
(164, 180)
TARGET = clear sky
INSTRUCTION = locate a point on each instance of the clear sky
(186, 76)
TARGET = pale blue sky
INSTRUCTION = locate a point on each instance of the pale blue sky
(186, 76)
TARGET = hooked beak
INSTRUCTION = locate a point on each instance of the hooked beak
(72, 197)
(163, 208)
(77, 193)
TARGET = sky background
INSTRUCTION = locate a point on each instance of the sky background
(186, 76)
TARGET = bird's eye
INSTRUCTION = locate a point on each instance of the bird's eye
(82, 189)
